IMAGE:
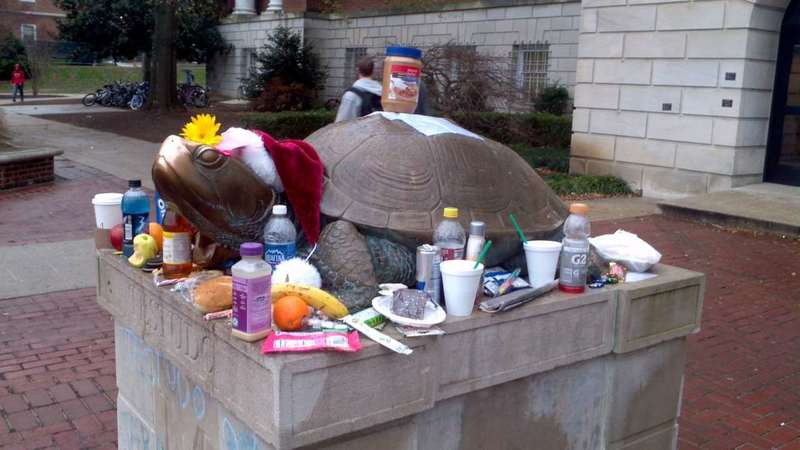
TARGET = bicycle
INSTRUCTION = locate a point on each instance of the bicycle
(192, 95)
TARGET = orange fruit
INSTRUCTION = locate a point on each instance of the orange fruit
(288, 313)
(157, 232)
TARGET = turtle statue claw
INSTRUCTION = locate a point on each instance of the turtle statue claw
(386, 185)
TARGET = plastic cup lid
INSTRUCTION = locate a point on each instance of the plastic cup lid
(107, 199)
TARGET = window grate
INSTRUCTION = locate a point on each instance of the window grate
(531, 62)
(352, 55)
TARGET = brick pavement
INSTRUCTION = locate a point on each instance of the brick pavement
(742, 387)
(57, 384)
(54, 212)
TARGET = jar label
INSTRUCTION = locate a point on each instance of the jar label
(252, 308)
(404, 83)
(275, 254)
(177, 248)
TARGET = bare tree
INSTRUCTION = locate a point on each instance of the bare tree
(40, 56)
(461, 79)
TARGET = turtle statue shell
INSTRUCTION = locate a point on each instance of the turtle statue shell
(384, 175)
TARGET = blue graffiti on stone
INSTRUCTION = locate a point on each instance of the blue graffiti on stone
(243, 440)
(148, 365)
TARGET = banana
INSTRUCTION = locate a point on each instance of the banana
(316, 298)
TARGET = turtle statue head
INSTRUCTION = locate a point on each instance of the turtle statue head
(219, 195)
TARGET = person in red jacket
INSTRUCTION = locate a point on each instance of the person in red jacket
(18, 81)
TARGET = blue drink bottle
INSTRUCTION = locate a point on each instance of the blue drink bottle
(135, 211)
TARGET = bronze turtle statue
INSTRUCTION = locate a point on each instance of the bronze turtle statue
(386, 185)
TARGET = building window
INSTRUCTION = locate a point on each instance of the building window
(352, 55)
(248, 61)
(27, 32)
(530, 64)
(456, 55)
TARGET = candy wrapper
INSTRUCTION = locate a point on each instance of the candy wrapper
(410, 332)
(283, 341)
(495, 277)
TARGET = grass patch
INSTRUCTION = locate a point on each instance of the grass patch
(556, 159)
(67, 79)
(564, 184)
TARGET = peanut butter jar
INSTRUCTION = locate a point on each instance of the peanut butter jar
(402, 71)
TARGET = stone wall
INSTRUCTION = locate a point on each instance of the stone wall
(493, 31)
(674, 97)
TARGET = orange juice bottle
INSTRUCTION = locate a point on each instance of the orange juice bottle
(177, 245)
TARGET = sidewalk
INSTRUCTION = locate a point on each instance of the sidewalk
(123, 157)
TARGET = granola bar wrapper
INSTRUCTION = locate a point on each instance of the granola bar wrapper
(286, 341)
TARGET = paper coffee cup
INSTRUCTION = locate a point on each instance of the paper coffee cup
(542, 259)
(107, 210)
(460, 282)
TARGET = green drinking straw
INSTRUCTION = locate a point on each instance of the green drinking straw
(519, 230)
(482, 256)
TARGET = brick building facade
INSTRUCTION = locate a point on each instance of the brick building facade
(675, 97)
(30, 19)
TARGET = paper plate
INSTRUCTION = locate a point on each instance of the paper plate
(433, 314)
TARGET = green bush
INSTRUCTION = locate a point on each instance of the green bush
(289, 73)
(11, 52)
(553, 99)
(289, 124)
(516, 130)
(532, 129)
(564, 184)
(556, 159)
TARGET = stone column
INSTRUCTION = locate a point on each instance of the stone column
(244, 7)
(275, 6)
(674, 97)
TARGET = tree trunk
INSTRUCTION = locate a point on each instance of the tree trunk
(163, 74)
(147, 72)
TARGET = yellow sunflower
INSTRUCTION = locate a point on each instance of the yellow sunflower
(202, 129)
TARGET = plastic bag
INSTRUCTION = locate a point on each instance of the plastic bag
(626, 249)
(209, 291)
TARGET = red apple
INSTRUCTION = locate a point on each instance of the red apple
(116, 237)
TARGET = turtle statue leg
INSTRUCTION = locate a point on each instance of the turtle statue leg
(392, 262)
(345, 263)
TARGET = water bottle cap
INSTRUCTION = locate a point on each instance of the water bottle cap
(134, 183)
(251, 249)
(279, 210)
(579, 208)
(477, 228)
(451, 213)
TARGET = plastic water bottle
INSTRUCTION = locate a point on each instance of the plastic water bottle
(135, 211)
(279, 237)
(449, 236)
(574, 258)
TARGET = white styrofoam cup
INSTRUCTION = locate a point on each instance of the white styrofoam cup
(107, 210)
(542, 259)
(461, 283)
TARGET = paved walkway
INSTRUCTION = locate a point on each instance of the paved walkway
(120, 156)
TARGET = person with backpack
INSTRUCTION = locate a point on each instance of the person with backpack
(364, 96)
(18, 82)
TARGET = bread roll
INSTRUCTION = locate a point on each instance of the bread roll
(214, 295)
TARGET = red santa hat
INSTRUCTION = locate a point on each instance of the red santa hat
(299, 174)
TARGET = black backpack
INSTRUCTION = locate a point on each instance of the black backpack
(369, 101)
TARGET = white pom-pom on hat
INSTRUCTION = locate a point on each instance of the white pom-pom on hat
(248, 148)
(297, 271)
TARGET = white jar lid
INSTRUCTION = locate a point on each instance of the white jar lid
(107, 199)
(279, 209)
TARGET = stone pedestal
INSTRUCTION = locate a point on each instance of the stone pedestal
(599, 370)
